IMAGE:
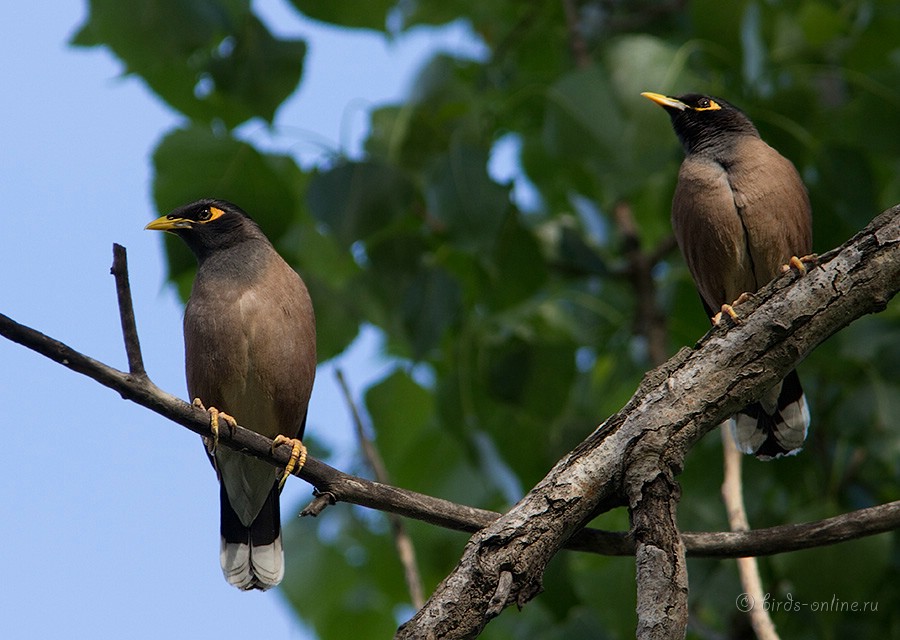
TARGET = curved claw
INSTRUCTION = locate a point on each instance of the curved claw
(729, 311)
(214, 416)
(800, 263)
(298, 456)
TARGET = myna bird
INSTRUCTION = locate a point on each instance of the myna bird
(250, 355)
(740, 212)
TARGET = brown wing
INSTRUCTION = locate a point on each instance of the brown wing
(709, 231)
(773, 205)
(737, 227)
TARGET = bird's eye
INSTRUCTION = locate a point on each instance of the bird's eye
(703, 103)
(204, 215)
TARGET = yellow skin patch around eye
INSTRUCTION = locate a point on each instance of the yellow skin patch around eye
(167, 223)
(712, 106)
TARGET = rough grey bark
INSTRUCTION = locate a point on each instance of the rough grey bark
(637, 452)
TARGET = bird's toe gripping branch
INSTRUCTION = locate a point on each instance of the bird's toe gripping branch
(298, 456)
(800, 263)
(214, 416)
(729, 310)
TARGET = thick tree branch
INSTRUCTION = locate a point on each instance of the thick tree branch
(443, 513)
(676, 405)
(662, 581)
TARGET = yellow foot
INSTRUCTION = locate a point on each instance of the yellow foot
(298, 456)
(729, 310)
(800, 263)
(214, 415)
(741, 300)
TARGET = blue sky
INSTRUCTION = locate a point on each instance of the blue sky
(110, 512)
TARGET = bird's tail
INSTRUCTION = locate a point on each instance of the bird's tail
(252, 557)
(776, 425)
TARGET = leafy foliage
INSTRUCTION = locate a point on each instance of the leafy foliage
(506, 305)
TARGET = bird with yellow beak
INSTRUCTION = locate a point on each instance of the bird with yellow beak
(250, 356)
(740, 212)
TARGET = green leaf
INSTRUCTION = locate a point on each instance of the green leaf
(337, 317)
(356, 200)
(582, 119)
(517, 265)
(720, 23)
(444, 109)
(516, 374)
(463, 199)
(431, 304)
(370, 14)
(211, 60)
(821, 23)
(346, 584)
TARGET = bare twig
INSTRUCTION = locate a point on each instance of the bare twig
(794, 537)
(402, 541)
(748, 567)
(320, 500)
(119, 270)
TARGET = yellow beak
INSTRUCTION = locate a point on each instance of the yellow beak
(165, 223)
(665, 101)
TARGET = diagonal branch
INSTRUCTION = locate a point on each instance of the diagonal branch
(675, 405)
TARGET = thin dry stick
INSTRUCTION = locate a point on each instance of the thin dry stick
(402, 541)
(119, 271)
(733, 496)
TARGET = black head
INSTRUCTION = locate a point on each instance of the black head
(208, 225)
(704, 122)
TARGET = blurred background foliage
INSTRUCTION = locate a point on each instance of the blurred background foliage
(490, 231)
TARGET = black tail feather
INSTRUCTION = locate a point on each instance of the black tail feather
(777, 427)
(252, 557)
